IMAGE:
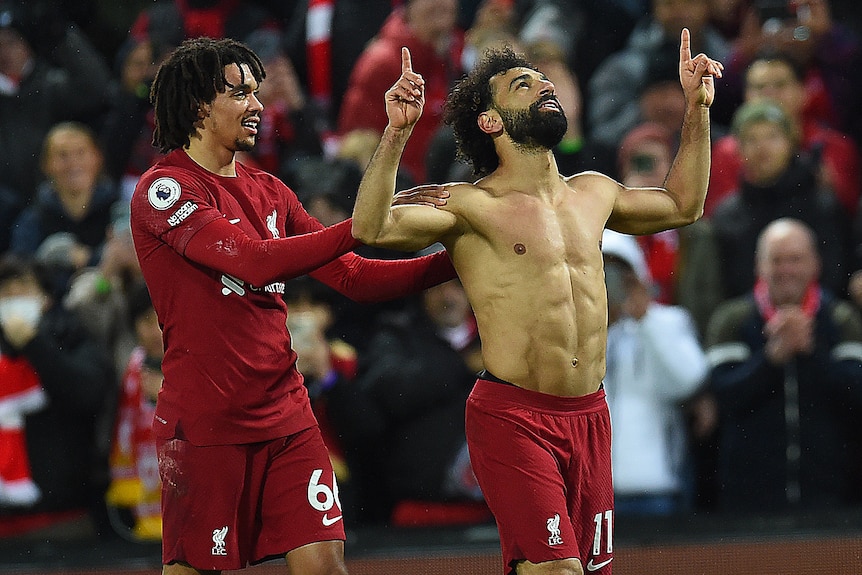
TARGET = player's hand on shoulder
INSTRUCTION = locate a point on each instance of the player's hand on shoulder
(434, 195)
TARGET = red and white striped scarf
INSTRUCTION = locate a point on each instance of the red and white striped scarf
(810, 301)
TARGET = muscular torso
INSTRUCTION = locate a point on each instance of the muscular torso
(531, 264)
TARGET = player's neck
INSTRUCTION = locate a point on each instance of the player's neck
(528, 169)
(215, 159)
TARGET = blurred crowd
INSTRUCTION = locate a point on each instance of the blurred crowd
(735, 343)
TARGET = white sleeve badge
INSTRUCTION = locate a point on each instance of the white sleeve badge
(163, 193)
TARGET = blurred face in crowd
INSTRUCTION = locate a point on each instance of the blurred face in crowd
(21, 300)
(14, 53)
(767, 151)
(674, 15)
(446, 304)
(663, 103)
(787, 261)
(72, 161)
(139, 68)
(648, 165)
(433, 21)
(282, 84)
(774, 80)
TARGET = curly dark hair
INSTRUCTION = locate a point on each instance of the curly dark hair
(191, 76)
(470, 97)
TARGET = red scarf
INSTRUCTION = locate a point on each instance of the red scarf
(810, 301)
(134, 463)
(20, 393)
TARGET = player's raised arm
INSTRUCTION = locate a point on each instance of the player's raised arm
(681, 200)
(375, 220)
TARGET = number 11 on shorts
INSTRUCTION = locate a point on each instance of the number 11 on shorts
(608, 517)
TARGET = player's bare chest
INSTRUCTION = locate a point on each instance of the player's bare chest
(538, 230)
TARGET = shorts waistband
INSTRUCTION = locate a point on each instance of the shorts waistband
(500, 391)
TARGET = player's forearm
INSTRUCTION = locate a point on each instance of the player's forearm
(367, 280)
(222, 246)
(688, 178)
(371, 213)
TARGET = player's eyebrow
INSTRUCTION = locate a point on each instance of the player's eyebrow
(521, 77)
(244, 87)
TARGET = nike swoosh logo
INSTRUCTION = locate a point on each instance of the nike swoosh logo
(233, 221)
(327, 521)
(596, 566)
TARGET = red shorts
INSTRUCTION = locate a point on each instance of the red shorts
(544, 465)
(228, 506)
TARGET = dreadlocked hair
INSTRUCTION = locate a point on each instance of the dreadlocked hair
(470, 97)
(192, 76)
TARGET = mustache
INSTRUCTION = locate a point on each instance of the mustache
(547, 98)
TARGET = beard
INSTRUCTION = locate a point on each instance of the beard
(244, 145)
(533, 128)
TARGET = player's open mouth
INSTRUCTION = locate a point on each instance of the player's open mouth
(251, 124)
(550, 105)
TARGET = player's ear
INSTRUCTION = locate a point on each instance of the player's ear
(490, 122)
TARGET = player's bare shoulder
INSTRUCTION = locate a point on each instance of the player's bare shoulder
(596, 186)
(590, 200)
(463, 197)
(472, 204)
(591, 180)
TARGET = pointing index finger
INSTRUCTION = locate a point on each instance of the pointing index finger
(684, 45)
(406, 65)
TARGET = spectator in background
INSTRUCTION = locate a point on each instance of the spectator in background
(402, 420)
(822, 47)
(324, 38)
(683, 263)
(654, 364)
(99, 293)
(777, 77)
(290, 123)
(726, 16)
(135, 485)
(787, 376)
(127, 134)
(169, 22)
(42, 345)
(615, 87)
(661, 101)
(428, 29)
(494, 24)
(777, 181)
(49, 72)
(74, 203)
